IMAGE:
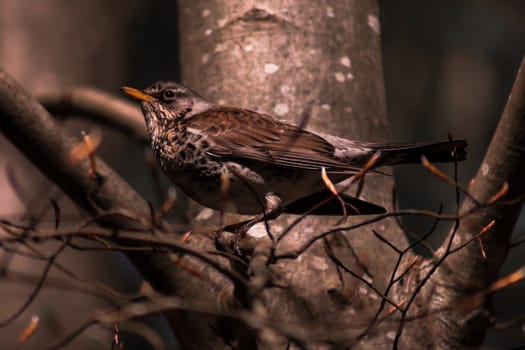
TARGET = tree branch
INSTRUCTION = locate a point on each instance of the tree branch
(48, 145)
(472, 269)
(98, 106)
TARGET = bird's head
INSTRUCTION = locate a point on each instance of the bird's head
(167, 100)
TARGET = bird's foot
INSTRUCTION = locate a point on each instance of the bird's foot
(233, 239)
(240, 229)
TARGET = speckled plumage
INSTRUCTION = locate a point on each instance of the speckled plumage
(197, 142)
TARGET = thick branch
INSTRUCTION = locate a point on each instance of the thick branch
(36, 134)
(469, 271)
(285, 59)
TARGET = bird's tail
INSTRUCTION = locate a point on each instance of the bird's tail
(444, 151)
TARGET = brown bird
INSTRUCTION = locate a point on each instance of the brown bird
(270, 166)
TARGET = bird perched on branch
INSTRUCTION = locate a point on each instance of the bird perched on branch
(268, 166)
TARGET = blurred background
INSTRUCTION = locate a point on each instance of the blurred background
(449, 66)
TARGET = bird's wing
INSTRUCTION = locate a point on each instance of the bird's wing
(243, 134)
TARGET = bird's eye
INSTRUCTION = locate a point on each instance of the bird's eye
(168, 94)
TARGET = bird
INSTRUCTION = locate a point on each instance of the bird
(238, 160)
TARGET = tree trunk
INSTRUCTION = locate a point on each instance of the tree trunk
(280, 59)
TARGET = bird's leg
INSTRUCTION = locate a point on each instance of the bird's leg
(272, 211)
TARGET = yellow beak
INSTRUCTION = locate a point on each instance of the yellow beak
(137, 94)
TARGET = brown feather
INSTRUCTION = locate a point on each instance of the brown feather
(241, 133)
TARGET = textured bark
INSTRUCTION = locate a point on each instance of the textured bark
(279, 58)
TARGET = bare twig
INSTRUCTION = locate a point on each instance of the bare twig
(98, 106)
(36, 290)
(467, 269)
(46, 143)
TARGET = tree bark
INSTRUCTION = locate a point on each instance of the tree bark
(280, 58)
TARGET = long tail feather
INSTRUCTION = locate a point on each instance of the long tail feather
(444, 151)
